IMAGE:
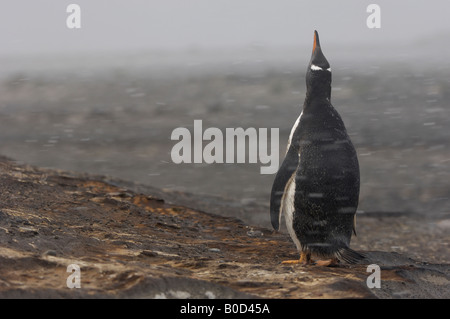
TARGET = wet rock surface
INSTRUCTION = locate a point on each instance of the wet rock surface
(132, 241)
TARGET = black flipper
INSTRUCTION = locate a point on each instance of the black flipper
(284, 174)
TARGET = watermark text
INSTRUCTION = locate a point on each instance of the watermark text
(229, 147)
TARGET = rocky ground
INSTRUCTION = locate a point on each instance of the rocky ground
(132, 241)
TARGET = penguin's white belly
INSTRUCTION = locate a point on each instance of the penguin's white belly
(289, 209)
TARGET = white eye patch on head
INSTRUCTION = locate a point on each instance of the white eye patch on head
(318, 68)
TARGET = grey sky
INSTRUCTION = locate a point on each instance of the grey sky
(29, 27)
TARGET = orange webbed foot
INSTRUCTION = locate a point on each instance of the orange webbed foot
(305, 259)
(334, 262)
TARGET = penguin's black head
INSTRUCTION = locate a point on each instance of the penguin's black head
(318, 75)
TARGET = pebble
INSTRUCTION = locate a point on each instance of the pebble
(49, 253)
(148, 253)
(254, 233)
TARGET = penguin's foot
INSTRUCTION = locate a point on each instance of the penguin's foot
(305, 259)
(333, 262)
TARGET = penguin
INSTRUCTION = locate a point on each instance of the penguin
(317, 185)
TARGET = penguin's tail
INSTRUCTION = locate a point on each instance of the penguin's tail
(349, 255)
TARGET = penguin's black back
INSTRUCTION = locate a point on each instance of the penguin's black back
(327, 180)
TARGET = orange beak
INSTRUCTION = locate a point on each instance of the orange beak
(316, 40)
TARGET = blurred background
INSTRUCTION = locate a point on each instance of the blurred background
(105, 98)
